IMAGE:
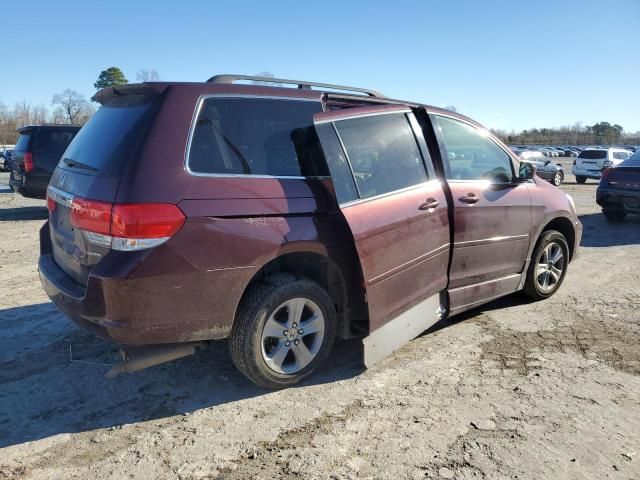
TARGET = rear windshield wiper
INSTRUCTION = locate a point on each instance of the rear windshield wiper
(74, 163)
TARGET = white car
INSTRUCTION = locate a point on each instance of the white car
(591, 162)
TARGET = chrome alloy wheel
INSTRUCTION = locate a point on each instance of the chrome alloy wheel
(292, 335)
(549, 267)
(557, 178)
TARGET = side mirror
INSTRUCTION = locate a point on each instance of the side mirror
(547, 161)
(526, 172)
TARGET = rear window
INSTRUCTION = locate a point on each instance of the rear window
(52, 140)
(23, 141)
(632, 161)
(256, 136)
(112, 136)
(593, 154)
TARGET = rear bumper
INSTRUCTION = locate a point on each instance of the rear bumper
(629, 200)
(26, 187)
(589, 173)
(146, 297)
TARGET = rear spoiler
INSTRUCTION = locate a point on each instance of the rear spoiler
(137, 89)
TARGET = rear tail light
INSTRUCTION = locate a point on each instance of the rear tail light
(606, 173)
(28, 162)
(51, 203)
(127, 226)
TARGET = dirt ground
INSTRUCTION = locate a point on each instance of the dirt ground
(547, 390)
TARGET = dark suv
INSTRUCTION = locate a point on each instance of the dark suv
(282, 218)
(36, 155)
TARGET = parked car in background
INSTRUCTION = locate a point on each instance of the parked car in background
(5, 159)
(572, 152)
(545, 168)
(591, 162)
(36, 155)
(282, 218)
(619, 190)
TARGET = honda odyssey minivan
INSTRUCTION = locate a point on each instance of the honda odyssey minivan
(285, 218)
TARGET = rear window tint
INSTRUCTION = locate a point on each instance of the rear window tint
(112, 136)
(256, 136)
(593, 154)
(23, 142)
(54, 140)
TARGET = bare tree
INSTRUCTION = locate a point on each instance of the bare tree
(72, 106)
(22, 112)
(145, 75)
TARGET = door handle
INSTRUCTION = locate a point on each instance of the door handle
(429, 204)
(470, 198)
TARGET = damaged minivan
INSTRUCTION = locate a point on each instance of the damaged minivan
(283, 219)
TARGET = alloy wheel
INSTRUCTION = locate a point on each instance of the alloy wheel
(557, 179)
(292, 335)
(550, 267)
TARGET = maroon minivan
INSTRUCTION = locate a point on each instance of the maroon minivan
(282, 218)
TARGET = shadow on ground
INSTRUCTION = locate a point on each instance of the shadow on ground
(23, 213)
(44, 393)
(598, 232)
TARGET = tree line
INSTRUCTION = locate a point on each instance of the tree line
(68, 106)
(601, 133)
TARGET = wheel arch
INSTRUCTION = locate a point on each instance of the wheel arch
(325, 271)
(565, 227)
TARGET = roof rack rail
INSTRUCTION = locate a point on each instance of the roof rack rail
(231, 78)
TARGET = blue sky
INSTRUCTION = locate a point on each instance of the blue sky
(508, 64)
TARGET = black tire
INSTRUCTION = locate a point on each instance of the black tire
(614, 215)
(580, 179)
(257, 305)
(558, 178)
(531, 287)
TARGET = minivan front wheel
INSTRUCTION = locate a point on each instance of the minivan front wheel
(548, 266)
(284, 330)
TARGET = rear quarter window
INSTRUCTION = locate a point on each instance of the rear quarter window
(256, 136)
(23, 142)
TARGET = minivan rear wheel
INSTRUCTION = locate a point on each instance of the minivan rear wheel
(284, 330)
(548, 266)
(581, 179)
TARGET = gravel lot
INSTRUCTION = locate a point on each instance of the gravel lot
(511, 390)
